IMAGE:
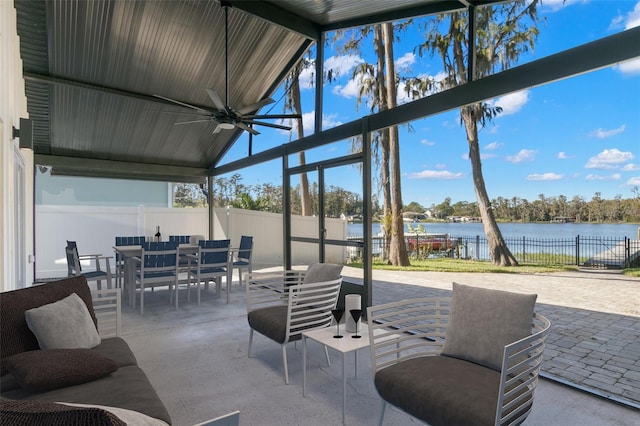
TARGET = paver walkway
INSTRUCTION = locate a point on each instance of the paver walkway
(594, 341)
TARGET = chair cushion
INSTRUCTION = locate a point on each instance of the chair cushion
(49, 369)
(441, 390)
(320, 272)
(482, 322)
(271, 322)
(94, 275)
(65, 324)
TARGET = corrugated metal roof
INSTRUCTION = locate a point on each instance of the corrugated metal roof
(92, 68)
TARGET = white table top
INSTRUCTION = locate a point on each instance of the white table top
(344, 345)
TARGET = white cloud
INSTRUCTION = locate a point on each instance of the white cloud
(562, 155)
(483, 156)
(493, 145)
(307, 77)
(435, 174)
(512, 102)
(544, 176)
(523, 155)
(629, 67)
(615, 176)
(633, 18)
(634, 181)
(427, 142)
(556, 5)
(631, 167)
(609, 159)
(308, 123)
(342, 65)
(405, 61)
(603, 134)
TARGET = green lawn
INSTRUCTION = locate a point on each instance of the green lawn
(458, 265)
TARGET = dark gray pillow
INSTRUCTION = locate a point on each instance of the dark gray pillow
(48, 369)
(482, 322)
(65, 324)
(320, 272)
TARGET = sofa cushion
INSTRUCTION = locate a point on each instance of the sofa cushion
(15, 336)
(65, 324)
(32, 413)
(320, 272)
(55, 368)
(117, 350)
(483, 321)
(427, 387)
(128, 388)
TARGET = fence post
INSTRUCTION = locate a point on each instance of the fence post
(577, 250)
(524, 248)
(477, 246)
(627, 252)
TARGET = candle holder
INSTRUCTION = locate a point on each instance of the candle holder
(337, 315)
(355, 314)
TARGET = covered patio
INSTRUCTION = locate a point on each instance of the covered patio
(203, 367)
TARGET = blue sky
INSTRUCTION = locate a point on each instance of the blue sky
(573, 137)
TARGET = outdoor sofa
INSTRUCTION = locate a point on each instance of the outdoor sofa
(36, 381)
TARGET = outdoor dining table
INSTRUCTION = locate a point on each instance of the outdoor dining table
(129, 253)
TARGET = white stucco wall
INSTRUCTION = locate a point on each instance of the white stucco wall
(13, 105)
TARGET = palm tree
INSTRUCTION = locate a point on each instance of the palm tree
(504, 31)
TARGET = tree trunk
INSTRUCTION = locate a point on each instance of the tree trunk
(305, 197)
(398, 249)
(384, 140)
(498, 250)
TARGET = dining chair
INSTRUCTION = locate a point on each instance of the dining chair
(158, 267)
(74, 267)
(243, 257)
(211, 263)
(124, 241)
(298, 301)
(180, 239)
(472, 358)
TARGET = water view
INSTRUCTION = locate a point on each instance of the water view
(514, 230)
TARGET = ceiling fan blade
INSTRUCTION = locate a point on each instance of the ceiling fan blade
(192, 121)
(182, 103)
(216, 100)
(255, 107)
(262, 123)
(243, 126)
(268, 116)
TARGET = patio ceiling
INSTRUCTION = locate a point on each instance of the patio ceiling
(92, 69)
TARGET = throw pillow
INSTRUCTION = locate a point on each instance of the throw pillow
(483, 321)
(48, 369)
(29, 413)
(320, 272)
(65, 324)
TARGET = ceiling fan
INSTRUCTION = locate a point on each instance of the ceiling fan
(226, 117)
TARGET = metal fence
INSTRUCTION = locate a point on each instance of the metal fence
(597, 252)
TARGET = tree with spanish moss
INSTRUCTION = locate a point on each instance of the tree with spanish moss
(504, 31)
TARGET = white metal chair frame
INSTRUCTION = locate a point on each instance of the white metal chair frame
(167, 275)
(107, 305)
(74, 268)
(216, 270)
(309, 305)
(414, 328)
(243, 258)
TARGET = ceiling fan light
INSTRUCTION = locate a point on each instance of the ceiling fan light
(226, 126)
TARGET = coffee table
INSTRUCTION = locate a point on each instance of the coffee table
(344, 346)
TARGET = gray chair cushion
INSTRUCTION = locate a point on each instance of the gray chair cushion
(428, 387)
(271, 322)
(320, 272)
(482, 322)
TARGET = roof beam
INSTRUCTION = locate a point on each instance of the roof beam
(278, 16)
(52, 79)
(79, 166)
(588, 57)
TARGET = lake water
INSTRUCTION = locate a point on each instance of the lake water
(513, 230)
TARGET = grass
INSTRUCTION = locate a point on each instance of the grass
(632, 272)
(461, 265)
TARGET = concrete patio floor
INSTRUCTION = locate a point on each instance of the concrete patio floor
(196, 357)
